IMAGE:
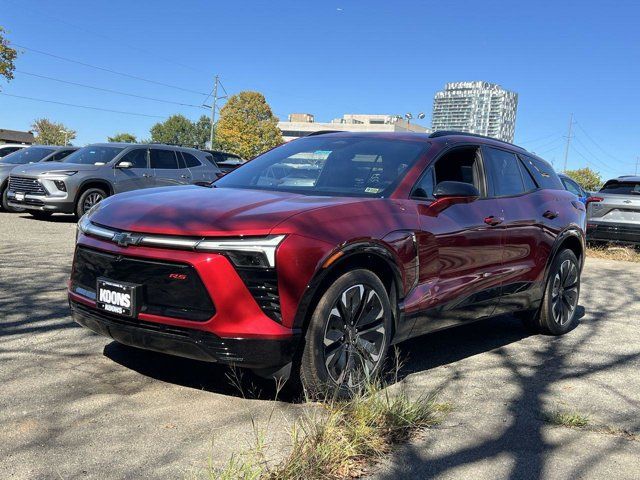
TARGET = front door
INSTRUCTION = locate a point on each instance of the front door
(137, 176)
(166, 171)
(460, 247)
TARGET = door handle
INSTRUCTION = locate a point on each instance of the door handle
(550, 215)
(146, 175)
(493, 221)
(184, 176)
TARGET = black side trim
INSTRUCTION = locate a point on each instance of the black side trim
(186, 342)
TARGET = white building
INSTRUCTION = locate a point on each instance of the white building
(302, 124)
(476, 107)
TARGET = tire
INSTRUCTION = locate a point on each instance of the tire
(338, 356)
(88, 199)
(40, 215)
(5, 203)
(557, 313)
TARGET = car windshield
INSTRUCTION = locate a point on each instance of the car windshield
(27, 155)
(621, 188)
(321, 165)
(93, 155)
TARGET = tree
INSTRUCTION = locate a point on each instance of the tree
(52, 133)
(179, 130)
(7, 57)
(123, 138)
(587, 178)
(247, 125)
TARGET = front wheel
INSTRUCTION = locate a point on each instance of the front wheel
(89, 198)
(348, 335)
(557, 314)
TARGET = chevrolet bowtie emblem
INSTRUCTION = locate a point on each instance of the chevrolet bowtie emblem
(124, 239)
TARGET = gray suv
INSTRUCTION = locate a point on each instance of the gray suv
(94, 172)
(613, 213)
(25, 156)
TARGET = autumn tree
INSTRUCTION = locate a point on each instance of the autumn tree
(587, 178)
(123, 138)
(179, 130)
(7, 57)
(52, 133)
(247, 125)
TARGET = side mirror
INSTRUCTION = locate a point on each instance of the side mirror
(460, 191)
(124, 164)
(451, 193)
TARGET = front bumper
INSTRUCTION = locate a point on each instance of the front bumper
(185, 342)
(616, 233)
(41, 203)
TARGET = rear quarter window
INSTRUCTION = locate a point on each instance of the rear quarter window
(542, 172)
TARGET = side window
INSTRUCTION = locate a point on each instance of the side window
(544, 174)
(209, 157)
(424, 187)
(163, 159)
(572, 186)
(138, 157)
(529, 182)
(60, 155)
(505, 172)
(190, 160)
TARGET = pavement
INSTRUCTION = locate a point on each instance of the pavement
(74, 405)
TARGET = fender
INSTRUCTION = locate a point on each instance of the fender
(572, 230)
(347, 251)
(96, 180)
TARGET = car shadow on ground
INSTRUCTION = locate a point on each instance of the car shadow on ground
(416, 355)
(51, 219)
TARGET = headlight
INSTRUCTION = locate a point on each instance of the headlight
(65, 173)
(250, 252)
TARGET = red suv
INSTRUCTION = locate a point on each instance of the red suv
(322, 252)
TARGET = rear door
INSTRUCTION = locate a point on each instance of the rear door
(166, 170)
(528, 212)
(199, 172)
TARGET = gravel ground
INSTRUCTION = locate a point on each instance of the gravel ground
(76, 405)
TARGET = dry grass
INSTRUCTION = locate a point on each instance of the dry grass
(340, 438)
(567, 419)
(627, 254)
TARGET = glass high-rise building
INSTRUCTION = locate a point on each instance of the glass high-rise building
(476, 107)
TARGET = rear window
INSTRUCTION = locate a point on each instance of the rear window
(542, 172)
(621, 188)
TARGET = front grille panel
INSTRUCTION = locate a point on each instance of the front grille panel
(169, 289)
(262, 283)
(26, 185)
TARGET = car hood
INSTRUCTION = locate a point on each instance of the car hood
(201, 211)
(41, 167)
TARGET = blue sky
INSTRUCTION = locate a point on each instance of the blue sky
(335, 57)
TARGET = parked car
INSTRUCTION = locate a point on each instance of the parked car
(23, 156)
(7, 148)
(95, 172)
(398, 235)
(613, 213)
(225, 161)
(574, 187)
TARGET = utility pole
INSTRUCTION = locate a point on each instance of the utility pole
(213, 111)
(566, 150)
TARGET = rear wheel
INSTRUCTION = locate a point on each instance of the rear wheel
(89, 198)
(557, 314)
(348, 335)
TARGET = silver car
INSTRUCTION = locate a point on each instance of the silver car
(97, 171)
(613, 213)
(26, 156)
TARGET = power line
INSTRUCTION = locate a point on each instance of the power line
(80, 106)
(98, 34)
(596, 143)
(107, 90)
(595, 158)
(535, 140)
(103, 69)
